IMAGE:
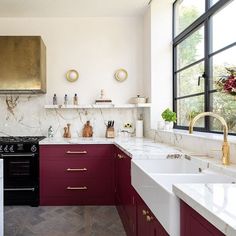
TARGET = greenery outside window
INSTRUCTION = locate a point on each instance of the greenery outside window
(204, 44)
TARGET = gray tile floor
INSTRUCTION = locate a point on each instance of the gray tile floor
(61, 221)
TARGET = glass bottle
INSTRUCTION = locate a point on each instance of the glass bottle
(50, 132)
(65, 100)
(54, 100)
(76, 99)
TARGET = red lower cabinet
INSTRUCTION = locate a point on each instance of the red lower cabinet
(192, 223)
(125, 200)
(136, 217)
(77, 175)
(147, 224)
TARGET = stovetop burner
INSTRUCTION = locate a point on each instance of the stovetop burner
(21, 139)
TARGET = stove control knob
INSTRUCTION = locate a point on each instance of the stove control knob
(33, 148)
(11, 149)
(6, 148)
(1, 148)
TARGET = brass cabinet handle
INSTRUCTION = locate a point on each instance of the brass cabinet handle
(76, 152)
(149, 218)
(77, 188)
(145, 212)
(120, 156)
(76, 169)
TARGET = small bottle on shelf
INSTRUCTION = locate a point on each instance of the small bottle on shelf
(50, 132)
(65, 100)
(54, 100)
(76, 99)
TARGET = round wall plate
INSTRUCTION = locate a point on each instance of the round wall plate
(72, 75)
(121, 75)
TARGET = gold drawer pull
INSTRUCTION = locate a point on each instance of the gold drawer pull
(145, 212)
(76, 152)
(149, 218)
(80, 169)
(77, 188)
(120, 156)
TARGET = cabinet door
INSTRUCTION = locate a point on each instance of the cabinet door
(142, 211)
(124, 192)
(147, 224)
(194, 224)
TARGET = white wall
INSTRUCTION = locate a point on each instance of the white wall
(96, 47)
(158, 51)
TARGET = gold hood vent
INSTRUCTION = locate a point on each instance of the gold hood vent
(22, 65)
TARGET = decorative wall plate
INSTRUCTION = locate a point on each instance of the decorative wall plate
(72, 75)
(121, 75)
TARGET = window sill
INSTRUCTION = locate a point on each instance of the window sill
(208, 136)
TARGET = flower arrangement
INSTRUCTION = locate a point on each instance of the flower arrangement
(227, 83)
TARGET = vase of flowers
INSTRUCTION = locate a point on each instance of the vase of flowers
(227, 83)
(169, 117)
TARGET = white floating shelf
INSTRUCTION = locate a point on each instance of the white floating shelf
(96, 106)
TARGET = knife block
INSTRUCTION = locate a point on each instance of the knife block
(110, 132)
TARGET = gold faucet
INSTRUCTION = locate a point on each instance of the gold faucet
(225, 146)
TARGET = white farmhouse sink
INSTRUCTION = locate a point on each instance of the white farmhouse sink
(154, 185)
(171, 166)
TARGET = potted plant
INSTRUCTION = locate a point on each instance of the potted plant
(169, 117)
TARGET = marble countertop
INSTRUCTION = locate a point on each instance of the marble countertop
(134, 147)
(215, 202)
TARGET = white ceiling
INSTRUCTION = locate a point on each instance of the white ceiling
(72, 8)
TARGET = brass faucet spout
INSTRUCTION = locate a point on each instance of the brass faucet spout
(225, 147)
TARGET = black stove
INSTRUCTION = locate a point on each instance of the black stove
(16, 144)
(21, 169)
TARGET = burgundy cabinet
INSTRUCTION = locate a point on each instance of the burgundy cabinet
(76, 174)
(192, 223)
(136, 217)
(125, 200)
(147, 224)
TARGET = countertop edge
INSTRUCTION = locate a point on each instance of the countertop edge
(204, 212)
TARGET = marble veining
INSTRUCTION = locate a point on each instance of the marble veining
(26, 115)
(133, 147)
(200, 143)
(215, 202)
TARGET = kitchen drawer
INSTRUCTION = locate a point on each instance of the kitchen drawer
(72, 151)
(77, 192)
(99, 168)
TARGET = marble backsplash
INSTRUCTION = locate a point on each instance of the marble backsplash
(210, 145)
(26, 115)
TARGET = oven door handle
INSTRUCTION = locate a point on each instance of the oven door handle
(18, 155)
(19, 189)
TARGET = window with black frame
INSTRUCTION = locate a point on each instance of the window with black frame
(204, 47)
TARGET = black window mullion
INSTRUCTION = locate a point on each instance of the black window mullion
(190, 95)
(207, 41)
(189, 65)
(174, 81)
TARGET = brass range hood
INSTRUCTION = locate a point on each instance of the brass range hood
(22, 65)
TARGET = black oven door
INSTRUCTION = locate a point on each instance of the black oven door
(20, 170)
(21, 178)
